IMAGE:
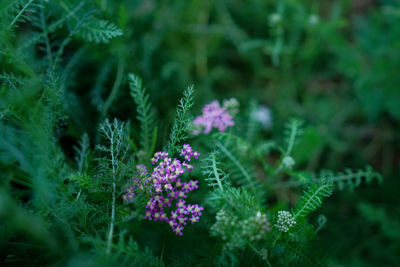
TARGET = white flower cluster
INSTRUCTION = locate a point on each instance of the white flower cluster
(285, 221)
(235, 232)
(232, 106)
(275, 18)
(225, 227)
(255, 227)
(313, 19)
(223, 222)
(263, 115)
(288, 162)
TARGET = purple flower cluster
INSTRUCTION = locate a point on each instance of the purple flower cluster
(167, 190)
(214, 116)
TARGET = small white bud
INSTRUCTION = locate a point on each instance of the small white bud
(275, 18)
(288, 162)
(313, 19)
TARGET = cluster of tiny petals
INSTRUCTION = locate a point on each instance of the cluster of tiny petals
(285, 221)
(167, 189)
(256, 226)
(188, 153)
(214, 116)
(235, 232)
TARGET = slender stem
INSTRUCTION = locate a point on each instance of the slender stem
(79, 194)
(111, 231)
(276, 239)
(117, 84)
(163, 249)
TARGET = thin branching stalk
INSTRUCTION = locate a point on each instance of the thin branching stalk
(117, 150)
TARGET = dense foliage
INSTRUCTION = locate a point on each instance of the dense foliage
(207, 133)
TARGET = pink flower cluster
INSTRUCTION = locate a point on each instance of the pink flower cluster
(214, 116)
(167, 189)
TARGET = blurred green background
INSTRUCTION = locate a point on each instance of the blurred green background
(332, 63)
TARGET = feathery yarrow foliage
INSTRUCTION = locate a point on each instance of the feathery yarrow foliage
(293, 131)
(146, 116)
(116, 150)
(312, 198)
(99, 30)
(15, 12)
(351, 179)
(82, 183)
(348, 179)
(215, 176)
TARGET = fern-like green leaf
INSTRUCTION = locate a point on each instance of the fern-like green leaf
(293, 130)
(145, 113)
(312, 198)
(351, 179)
(215, 176)
(127, 252)
(84, 181)
(15, 11)
(238, 200)
(10, 80)
(347, 179)
(99, 31)
(180, 126)
(82, 153)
